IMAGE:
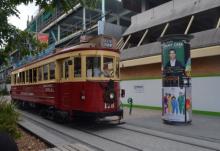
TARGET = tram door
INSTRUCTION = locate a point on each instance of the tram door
(70, 87)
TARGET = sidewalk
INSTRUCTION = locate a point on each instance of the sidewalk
(202, 127)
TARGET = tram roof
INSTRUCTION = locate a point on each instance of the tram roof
(102, 42)
(84, 47)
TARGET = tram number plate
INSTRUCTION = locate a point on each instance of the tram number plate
(109, 106)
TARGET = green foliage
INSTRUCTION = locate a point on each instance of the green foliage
(24, 41)
(4, 91)
(9, 118)
(65, 4)
(12, 38)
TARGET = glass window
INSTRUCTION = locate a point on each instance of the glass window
(93, 66)
(77, 67)
(108, 67)
(65, 69)
(35, 75)
(27, 76)
(18, 78)
(66, 66)
(45, 71)
(117, 67)
(15, 77)
(30, 76)
(39, 70)
(52, 70)
(22, 77)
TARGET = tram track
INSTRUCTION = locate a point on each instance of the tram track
(65, 134)
(171, 137)
(51, 129)
(185, 141)
(89, 130)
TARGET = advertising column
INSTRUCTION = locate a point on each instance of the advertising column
(176, 79)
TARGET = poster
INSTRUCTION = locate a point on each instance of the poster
(176, 79)
(176, 66)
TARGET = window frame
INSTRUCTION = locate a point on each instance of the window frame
(77, 57)
(49, 71)
(114, 65)
(93, 72)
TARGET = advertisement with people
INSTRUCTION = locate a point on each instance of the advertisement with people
(176, 104)
(176, 65)
(176, 79)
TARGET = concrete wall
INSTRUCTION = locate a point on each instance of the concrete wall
(205, 92)
(200, 66)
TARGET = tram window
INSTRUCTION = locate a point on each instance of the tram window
(45, 71)
(77, 67)
(93, 66)
(35, 75)
(18, 78)
(27, 76)
(108, 67)
(30, 76)
(23, 77)
(15, 77)
(117, 67)
(65, 69)
(39, 70)
(52, 70)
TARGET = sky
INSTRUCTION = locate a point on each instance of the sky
(25, 11)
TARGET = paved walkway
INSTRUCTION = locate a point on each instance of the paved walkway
(202, 127)
(70, 147)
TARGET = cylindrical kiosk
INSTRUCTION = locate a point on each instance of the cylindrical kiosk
(176, 79)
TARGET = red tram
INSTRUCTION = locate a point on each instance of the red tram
(81, 80)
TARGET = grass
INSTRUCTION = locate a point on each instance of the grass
(199, 112)
(143, 107)
(8, 118)
(206, 113)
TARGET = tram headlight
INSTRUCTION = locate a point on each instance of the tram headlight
(111, 95)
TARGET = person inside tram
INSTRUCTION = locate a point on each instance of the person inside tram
(93, 67)
(106, 71)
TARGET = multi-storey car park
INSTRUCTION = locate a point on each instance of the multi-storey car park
(141, 51)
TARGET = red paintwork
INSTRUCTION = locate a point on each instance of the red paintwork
(67, 96)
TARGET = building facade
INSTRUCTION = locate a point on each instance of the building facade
(64, 29)
(141, 51)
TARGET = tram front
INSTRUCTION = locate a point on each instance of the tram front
(102, 83)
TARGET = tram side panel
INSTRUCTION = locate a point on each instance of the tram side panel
(40, 93)
(86, 97)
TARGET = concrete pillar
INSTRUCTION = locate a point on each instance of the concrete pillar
(144, 5)
(118, 20)
(58, 33)
(84, 18)
(103, 10)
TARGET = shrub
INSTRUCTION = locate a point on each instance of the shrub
(4, 91)
(8, 118)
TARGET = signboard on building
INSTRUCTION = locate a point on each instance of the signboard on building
(42, 37)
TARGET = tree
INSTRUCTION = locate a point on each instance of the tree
(12, 38)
